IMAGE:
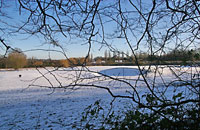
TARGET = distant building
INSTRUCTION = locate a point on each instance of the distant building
(118, 61)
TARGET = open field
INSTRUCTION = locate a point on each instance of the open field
(38, 107)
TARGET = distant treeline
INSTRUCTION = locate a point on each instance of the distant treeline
(177, 57)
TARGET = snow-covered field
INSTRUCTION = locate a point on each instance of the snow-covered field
(33, 107)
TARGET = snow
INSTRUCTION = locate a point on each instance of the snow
(119, 71)
(23, 105)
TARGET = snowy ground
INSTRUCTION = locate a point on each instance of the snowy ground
(31, 107)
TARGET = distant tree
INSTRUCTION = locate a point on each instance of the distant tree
(122, 55)
(82, 61)
(105, 54)
(2, 62)
(127, 54)
(91, 57)
(38, 63)
(196, 56)
(64, 63)
(114, 54)
(31, 61)
(98, 61)
(109, 55)
(16, 60)
(118, 55)
(73, 62)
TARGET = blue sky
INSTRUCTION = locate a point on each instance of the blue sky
(27, 42)
(24, 42)
(73, 47)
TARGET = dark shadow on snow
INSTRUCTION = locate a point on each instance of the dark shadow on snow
(121, 72)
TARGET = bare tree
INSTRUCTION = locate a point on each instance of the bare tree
(16, 60)
(154, 27)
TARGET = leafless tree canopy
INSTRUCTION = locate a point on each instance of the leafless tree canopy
(155, 27)
(159, 25)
